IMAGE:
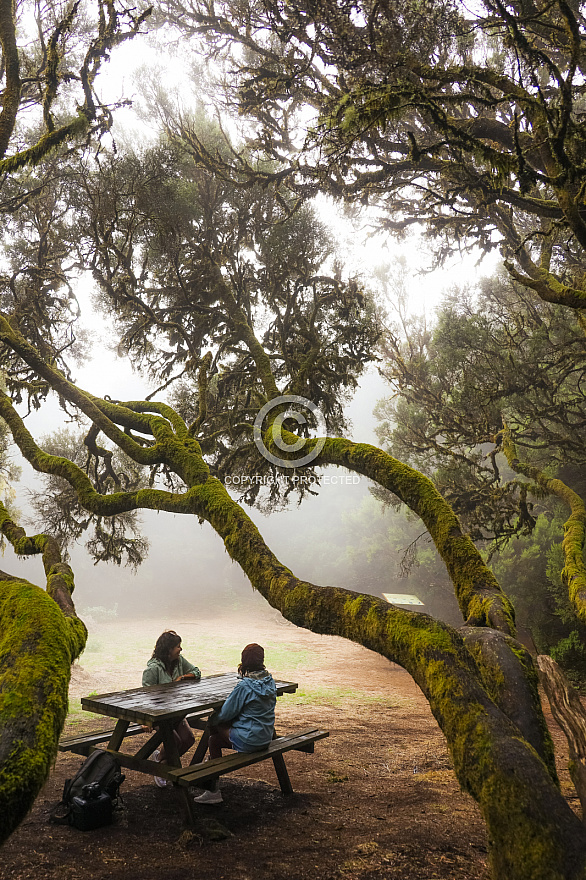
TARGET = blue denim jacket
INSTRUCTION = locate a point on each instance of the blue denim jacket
(250, 712)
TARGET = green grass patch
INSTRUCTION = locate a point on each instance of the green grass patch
(337, 697)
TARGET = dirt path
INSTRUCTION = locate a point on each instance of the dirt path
(377, 799)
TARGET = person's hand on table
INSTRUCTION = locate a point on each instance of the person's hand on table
(187, 677)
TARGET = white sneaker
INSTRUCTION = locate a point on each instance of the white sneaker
(162, 783)
(209, 797)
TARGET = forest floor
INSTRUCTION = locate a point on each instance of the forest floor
(378, 799)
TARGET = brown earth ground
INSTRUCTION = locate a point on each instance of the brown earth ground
(378, 799)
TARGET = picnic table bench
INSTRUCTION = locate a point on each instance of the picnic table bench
(204, 775)
(84, 743)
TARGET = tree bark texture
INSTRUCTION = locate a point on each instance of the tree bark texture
(568, 711)
(38, 644)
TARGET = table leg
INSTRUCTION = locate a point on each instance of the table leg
(282, 774)
(149, 747)
(188, 804)
(118, 735)
(172, 757)
(201, 747)
(171, 751)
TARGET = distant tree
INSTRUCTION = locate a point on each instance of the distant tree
(496, 362)
(187, 264)
(530, 570)
(494, 356)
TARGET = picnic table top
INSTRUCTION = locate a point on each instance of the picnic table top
(167, 702)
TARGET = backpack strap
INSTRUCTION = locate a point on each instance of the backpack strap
(60, 814)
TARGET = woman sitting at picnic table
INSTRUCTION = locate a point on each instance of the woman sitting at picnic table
(246, 721)
(165, 666)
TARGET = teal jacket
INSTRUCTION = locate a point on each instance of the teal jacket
(250, 712)
(155, 673)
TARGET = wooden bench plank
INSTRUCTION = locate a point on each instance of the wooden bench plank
(84, 743)
(219, 766)
(210, 770)
(205, 773)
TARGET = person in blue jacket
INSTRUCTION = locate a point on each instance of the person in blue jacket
(246, 721)
(167, 665)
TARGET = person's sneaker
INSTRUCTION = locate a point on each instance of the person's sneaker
(209, 797)
(162, 783)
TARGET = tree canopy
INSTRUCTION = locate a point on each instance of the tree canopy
(468, 120)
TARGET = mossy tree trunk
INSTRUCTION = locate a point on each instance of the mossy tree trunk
(40, 637)
(568, 711)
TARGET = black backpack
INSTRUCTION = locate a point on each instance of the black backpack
(90, 796)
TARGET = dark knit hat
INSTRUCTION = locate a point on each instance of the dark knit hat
(253, 657)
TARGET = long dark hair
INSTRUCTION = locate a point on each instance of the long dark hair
(163, 647)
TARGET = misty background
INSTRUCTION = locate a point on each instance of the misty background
(343, 536)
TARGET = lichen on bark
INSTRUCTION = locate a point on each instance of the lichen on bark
(38, 644)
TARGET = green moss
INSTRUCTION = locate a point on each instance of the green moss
(37, 646)
(45, 145)
(574, 571)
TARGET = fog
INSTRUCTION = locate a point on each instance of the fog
(187, 567)
(187, 564)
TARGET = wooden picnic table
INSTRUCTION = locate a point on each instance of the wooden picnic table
(161, 707)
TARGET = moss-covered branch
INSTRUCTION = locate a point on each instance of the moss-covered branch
(11, 65)
(94, 408)
(60, 583)
(479, 594)
(244, 331)
(511, 680)
(568, 711)
(574, 571)
(184, 455)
